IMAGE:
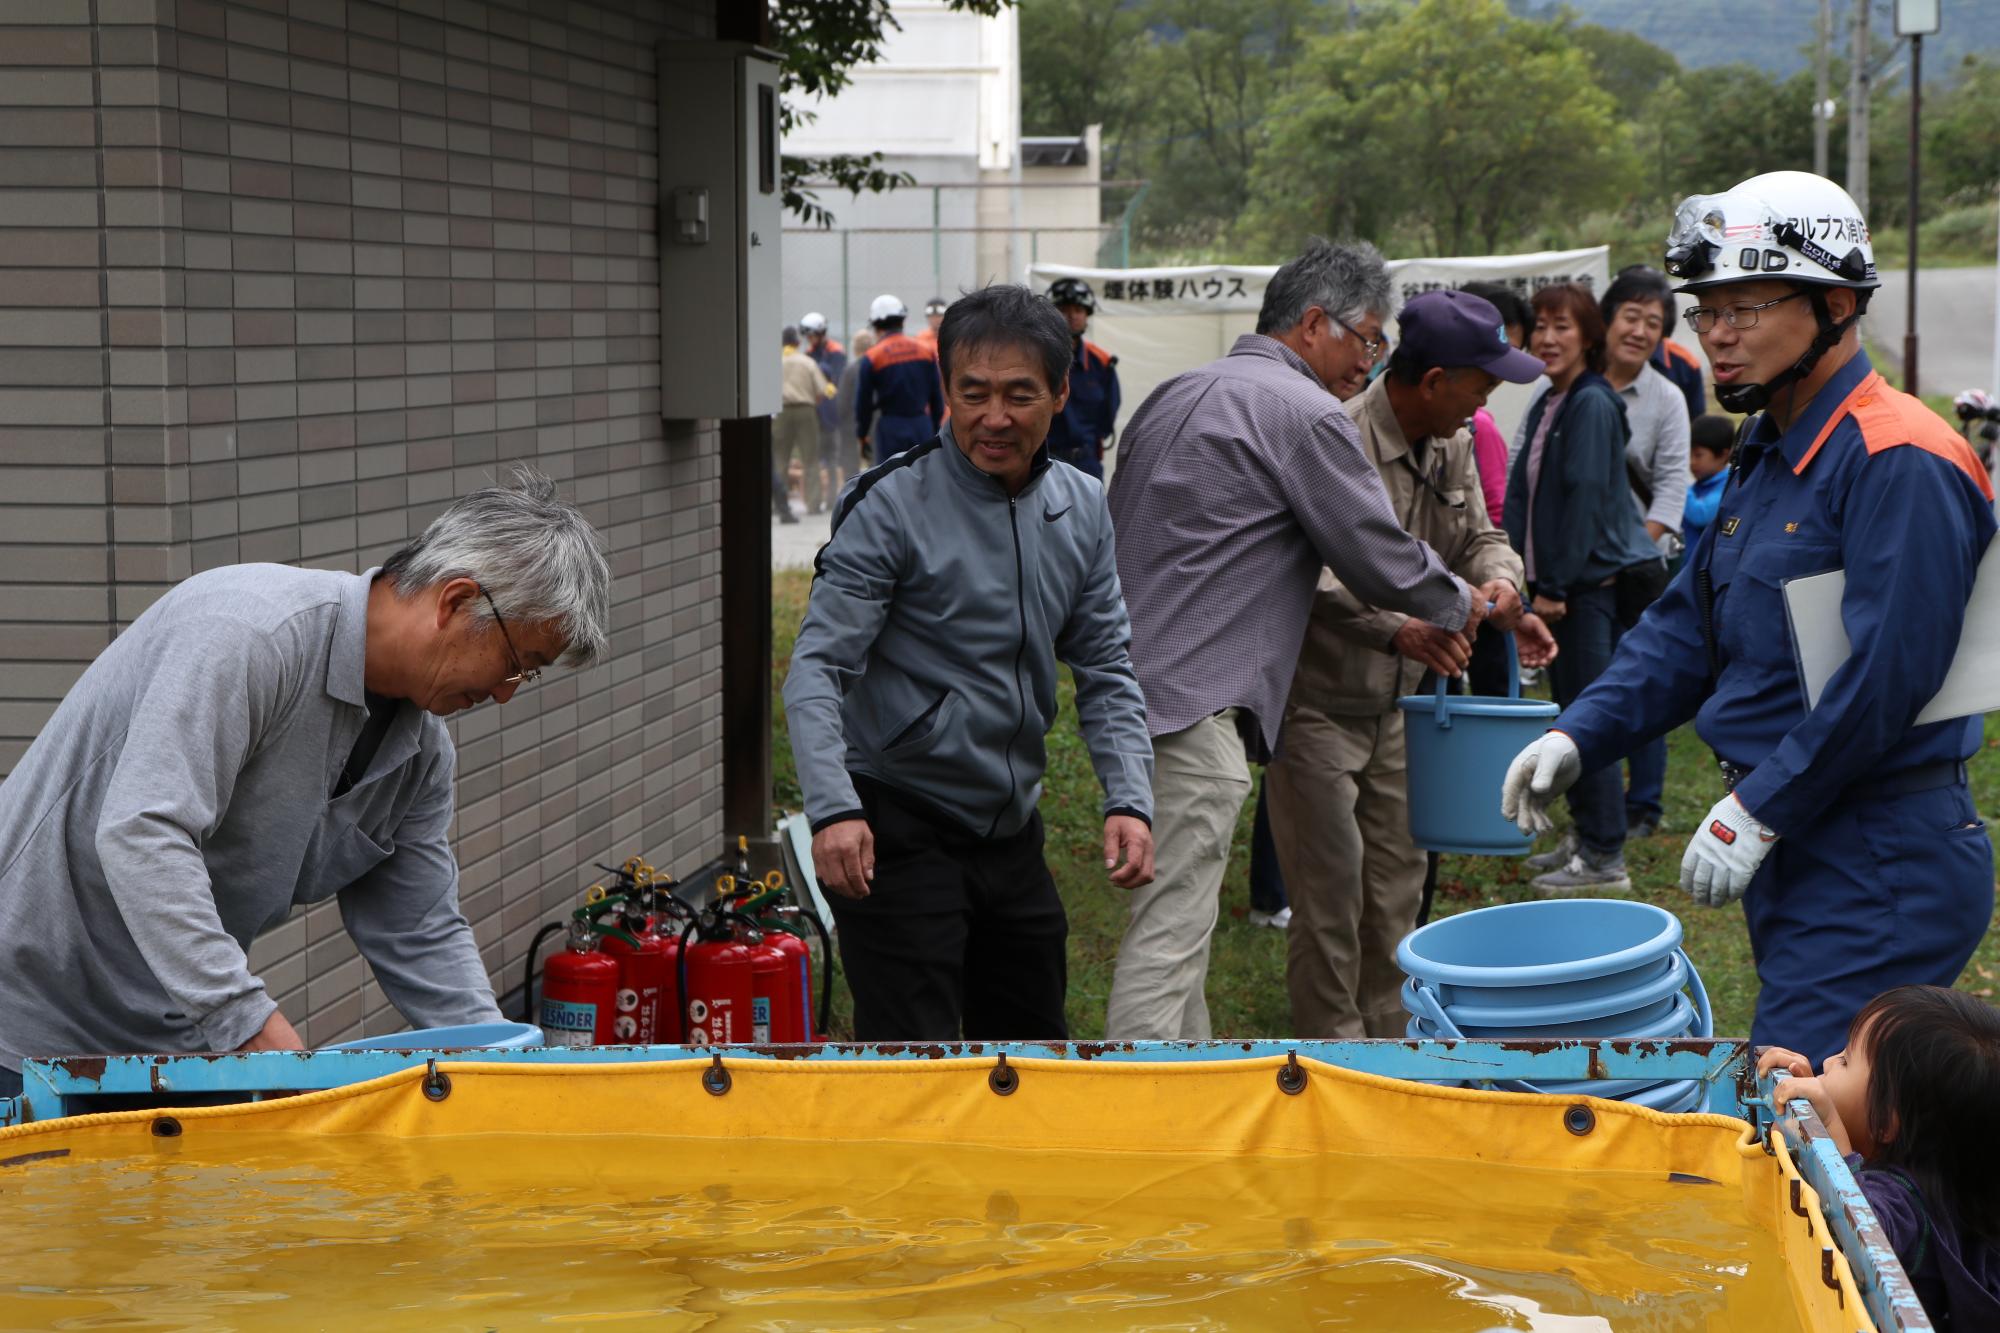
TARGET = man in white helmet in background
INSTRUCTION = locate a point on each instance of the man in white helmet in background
(1848, 832)
(897, 381)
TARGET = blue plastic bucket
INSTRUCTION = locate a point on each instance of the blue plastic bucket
(1562, 968)
(493, 1036)
(1459, 747)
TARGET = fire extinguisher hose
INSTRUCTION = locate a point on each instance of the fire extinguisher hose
(528, 984)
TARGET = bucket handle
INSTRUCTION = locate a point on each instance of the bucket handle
(1704, 1016)
(1513, 681)
(1428, 1007)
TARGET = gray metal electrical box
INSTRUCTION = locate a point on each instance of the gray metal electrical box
(721, 216)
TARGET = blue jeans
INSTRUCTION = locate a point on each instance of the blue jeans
(1267, 884)
(1648, 784)
(1586, 636)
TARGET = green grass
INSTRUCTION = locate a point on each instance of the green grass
(1246, 977)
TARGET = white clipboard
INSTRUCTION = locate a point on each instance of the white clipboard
(1971, 686)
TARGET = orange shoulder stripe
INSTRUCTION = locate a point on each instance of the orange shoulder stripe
(896, 351)
(1676, 352)
(1889, 418)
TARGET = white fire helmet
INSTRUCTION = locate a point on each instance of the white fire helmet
(886, 307)
(1788, 225)
(812, 322)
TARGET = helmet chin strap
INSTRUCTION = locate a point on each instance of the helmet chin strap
(1745, 398)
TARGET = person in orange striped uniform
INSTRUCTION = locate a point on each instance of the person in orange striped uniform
(1848, 830)
(898, 398)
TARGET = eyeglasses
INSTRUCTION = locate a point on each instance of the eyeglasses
(520, 677)
(1701, 318)
(1372, 348)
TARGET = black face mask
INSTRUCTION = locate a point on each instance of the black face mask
(1744, 398)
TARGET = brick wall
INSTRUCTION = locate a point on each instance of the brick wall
(277, 281)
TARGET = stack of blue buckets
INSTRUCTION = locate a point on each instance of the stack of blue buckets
(1561, 968)
(1564, 968)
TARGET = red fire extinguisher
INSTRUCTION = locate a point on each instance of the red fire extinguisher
(648, 990)
(774, 990)
(792, 1018)
(579, 993)
(715, 981)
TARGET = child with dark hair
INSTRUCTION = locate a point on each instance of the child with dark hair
(1914, 1101)
(1710, 441)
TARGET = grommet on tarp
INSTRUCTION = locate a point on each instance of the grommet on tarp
(437, 1083)
(1004, 1078)
(715, 1078)
(1579, 1120)
(1292, 1075)
(166, 1127)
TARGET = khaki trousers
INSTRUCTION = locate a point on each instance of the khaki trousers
(1339, 807)
(1200, 781)
(796, 435)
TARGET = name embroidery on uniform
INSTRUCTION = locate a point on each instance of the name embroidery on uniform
(1729, 526)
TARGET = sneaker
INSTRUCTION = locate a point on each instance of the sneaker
(1558, 856)
(1586, 877)
(1277, 920)
(1644, 826)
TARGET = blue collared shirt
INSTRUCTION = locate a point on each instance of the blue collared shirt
(1907, 521)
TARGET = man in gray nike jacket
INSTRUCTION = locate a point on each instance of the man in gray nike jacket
(923, 685)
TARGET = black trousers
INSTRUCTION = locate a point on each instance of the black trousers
(959, 936)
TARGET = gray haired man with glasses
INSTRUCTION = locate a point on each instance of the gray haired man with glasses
(1237, 482)
(265, 737)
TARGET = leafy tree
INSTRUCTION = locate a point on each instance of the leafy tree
(1627, 66)
(822, 40)
(1075, 58)
(1962, 135)
(1452, 120)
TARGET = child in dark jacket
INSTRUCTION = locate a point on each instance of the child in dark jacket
(1914, 1100)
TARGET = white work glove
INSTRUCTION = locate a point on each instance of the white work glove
(1723, 855)
(1539, 774)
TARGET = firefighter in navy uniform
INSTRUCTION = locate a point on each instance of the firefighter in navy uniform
(1847, 830)
(898, 383)
(1091, 415)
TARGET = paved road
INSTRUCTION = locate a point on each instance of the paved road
(1954, 327)
(793, 545)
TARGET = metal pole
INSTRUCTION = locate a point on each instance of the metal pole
(846, 289)
(1821, 55)
(1857, 110)
(1995, 382)
(937, 239)
(1916, 111)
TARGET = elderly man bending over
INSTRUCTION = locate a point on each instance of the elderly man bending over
(264, 737)
(1236, 482)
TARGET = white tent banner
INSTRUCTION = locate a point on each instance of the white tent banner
(1159, 322)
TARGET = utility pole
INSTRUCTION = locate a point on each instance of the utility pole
(1910, 312)
(1857, 110)
(1915, 19)
(1822, 108)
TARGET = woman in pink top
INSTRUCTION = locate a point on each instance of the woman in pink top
(1487, 673)
(1489, 446)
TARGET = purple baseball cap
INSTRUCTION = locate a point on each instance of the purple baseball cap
(1454, 329)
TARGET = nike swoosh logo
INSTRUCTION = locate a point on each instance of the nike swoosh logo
(1047, 517)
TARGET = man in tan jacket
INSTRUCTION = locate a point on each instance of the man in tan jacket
(796, 432)
(1339, 806)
